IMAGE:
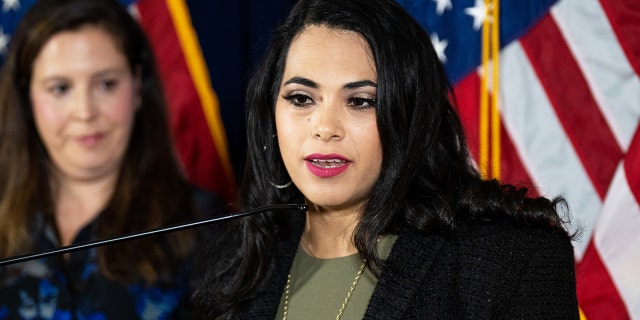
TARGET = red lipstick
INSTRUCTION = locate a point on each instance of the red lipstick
(326, 165)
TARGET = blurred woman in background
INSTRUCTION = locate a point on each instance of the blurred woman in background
(85, 154)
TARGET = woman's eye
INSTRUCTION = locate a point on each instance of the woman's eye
(362, 103)
(108, 84)
(299, 100)
(59, 89)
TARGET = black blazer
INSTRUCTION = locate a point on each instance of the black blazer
(484, 270)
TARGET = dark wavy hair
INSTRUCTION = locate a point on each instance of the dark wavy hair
(143, 198)
(427, 182)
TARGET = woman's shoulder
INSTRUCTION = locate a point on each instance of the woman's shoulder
(510, 235)
(488, 240)
(506, 246)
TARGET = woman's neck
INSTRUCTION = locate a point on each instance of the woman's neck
(77, 202)
(329, 234)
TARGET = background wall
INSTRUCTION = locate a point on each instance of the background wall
(233, 35)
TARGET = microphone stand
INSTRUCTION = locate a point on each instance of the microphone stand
(96, 243)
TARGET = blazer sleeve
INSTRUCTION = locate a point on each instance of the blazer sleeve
(547, 288)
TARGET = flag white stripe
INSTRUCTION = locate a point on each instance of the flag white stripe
(617, 237)
(546, 152)
(613, 83)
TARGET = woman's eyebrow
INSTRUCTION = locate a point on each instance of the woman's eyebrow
(360, 84)
(302, 81)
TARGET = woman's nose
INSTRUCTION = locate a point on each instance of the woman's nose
(327, 123)
(84, 106)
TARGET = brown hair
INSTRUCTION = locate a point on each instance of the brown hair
(151, 190)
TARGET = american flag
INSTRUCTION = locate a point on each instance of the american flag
(568, 100)
(569, 106)
(195, 119)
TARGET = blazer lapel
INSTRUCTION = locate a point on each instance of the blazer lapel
(410, 259)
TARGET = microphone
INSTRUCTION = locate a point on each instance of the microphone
(96, 243)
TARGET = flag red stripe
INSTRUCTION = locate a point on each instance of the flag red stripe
(187, 120)
(573, 102)
(597, 295)
(467, 92)
(632, 166)
(624, 16)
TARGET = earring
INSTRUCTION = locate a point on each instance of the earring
(281, 186)
(278, 186)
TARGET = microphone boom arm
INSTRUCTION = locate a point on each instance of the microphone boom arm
(96, 243)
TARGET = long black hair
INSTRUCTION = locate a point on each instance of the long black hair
(427, 181)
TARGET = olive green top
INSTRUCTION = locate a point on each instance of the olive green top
(318, 287)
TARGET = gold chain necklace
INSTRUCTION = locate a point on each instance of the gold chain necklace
(285, 306)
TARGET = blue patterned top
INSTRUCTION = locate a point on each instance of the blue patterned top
(51, 288)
